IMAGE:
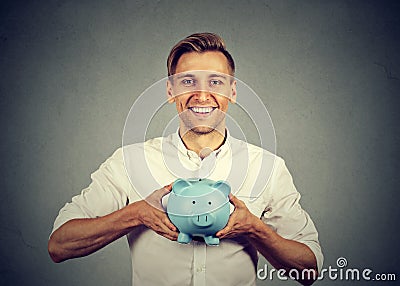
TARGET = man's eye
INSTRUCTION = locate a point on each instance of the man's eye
(188, 82)
(215, 82)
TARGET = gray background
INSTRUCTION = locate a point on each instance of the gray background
(328, 72)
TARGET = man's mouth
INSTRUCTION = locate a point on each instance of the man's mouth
(202, 110)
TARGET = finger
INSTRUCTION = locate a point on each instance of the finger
(167, 234)
(235, 201)
(166, 231)
(170, 237)
(164, 220)
(165, 190)
(169, 224)
(170, 234)
(229, 225)
(220, 233)
(160, 227)
(223, 232)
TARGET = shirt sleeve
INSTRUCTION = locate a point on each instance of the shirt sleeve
(285, 215)
(109, 191)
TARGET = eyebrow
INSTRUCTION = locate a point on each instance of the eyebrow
(185, 75)
(217, 75)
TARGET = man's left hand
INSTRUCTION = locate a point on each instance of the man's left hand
(240, 222)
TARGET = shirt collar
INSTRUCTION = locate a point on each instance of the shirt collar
(223, 149)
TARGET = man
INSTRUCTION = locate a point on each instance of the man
(274, 224)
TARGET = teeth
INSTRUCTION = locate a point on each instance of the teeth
(202, 109)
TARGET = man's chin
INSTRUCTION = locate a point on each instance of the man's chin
(202, 130)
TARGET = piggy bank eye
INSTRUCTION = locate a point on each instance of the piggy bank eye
(209, 203)
(193, 202)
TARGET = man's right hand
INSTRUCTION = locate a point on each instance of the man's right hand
(81, 237)
(150, 213)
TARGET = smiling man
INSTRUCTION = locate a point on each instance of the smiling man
(202, 88)
(201, 84)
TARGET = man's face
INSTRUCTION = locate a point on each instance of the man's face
(202, 89)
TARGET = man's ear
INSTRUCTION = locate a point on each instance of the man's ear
(170, 94)
(233, 92)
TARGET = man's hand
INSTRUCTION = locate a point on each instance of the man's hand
(81, 237)
(241, 221)
(280, 252)
(151, 214)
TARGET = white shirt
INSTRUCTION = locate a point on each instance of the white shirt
(133, 172)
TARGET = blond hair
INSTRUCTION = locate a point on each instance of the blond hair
(200, 43)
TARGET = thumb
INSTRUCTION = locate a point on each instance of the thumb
(234, 200)
(165, 190)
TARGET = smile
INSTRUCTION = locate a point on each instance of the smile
(202, 110)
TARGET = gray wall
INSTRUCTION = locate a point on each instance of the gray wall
(328, 72)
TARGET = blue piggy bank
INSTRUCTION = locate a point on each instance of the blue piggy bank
(199, 207)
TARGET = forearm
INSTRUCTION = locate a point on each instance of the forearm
(283, 253)
(81, 237)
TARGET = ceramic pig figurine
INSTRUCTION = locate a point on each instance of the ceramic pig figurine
(199, 207)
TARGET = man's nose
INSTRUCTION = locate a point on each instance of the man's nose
(202, 95)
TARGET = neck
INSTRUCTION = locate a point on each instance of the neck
(203, 143)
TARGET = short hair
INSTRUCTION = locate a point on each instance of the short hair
(200, 43)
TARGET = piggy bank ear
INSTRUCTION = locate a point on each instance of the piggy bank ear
(223, 186)
(179, 185)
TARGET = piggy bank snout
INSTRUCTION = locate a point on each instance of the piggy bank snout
(203, 220)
